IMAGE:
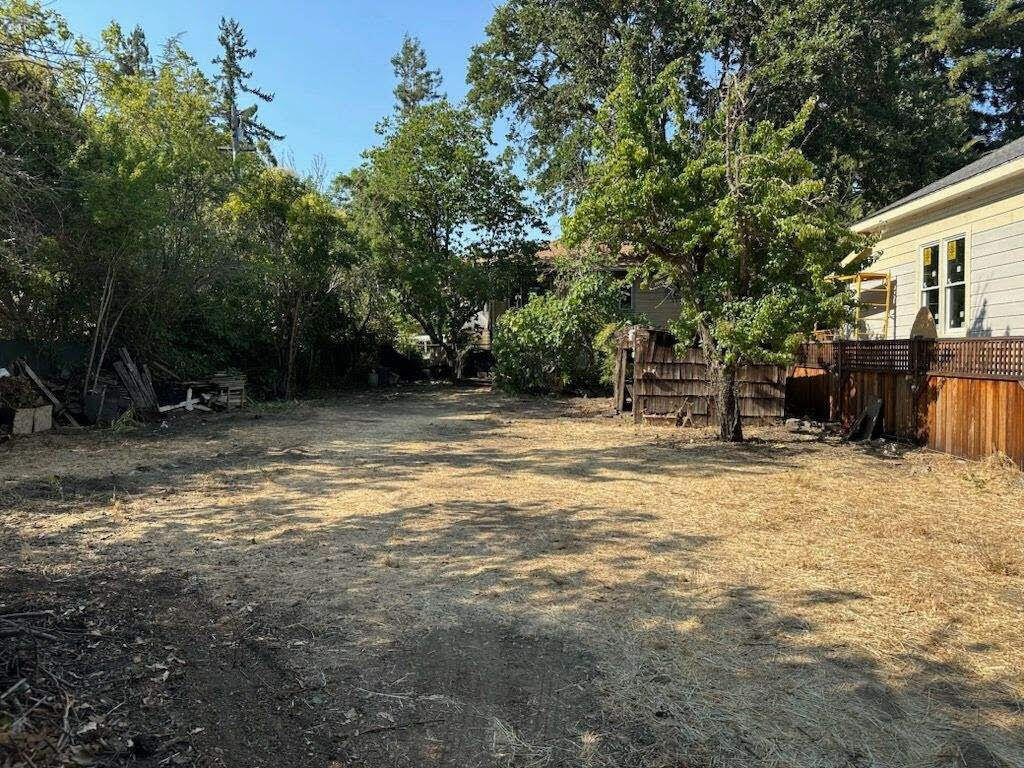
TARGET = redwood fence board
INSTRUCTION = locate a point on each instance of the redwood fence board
(960, 396)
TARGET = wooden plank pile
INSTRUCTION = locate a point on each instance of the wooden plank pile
(220, 391)
(138, 383)
(59, 408)
(28, 403)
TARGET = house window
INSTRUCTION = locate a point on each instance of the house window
(930, 285)
(626, 291)
(956, 290)
(943, 282)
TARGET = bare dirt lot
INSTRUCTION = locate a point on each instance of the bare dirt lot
(453, 577)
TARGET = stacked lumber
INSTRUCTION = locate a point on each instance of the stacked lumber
(221, 390)
(138, 383)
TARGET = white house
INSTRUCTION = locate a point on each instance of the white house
(956, 247)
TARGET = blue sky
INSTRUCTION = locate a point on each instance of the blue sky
(328, 62)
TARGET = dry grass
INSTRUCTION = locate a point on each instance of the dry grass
(510, 749)
(784, 603)
(1001, 559)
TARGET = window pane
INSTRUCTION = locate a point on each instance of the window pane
(955, 261)
(930, 261)
(955, 306)
(931, 300)
(626, 296)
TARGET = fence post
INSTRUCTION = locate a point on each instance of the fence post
(836, 393)
(641, 341)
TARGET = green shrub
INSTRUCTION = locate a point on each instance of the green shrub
(550, 344)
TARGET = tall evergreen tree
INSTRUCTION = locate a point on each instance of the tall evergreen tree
(130, 54)
(417, 84)
(983, 42)
(247, 132)
(886, 120)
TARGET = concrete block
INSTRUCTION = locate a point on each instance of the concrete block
(42, 419)
(22, 421)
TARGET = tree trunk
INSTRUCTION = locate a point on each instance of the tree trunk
(290, 369)
(722, 382)
(727, 402)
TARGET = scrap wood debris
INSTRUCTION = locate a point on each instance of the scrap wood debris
(66, 674)
(16, 392)
(128, 388)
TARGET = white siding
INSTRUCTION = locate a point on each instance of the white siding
(905, 299)
(997, 281)
(993, 225)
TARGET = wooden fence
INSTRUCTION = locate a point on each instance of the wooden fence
(961, 396)
(664, 382)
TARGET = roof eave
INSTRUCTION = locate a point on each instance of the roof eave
(940, 197)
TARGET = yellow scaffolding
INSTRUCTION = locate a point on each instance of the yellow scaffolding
(858, 281)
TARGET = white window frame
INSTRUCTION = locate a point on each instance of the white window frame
(947, 285)
(943, 286)
(922, 291)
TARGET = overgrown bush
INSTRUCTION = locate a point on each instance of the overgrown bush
(551, 343)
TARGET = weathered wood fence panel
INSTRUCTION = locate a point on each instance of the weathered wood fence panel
(667, 382)
(899, 393)
(960, 396)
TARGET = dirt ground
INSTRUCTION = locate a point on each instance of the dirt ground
(454, 577)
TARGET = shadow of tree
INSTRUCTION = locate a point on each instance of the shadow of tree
(556, 627)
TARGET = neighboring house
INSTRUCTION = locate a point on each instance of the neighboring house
(956, 247)
(657, 303)
(485, 322)
(481, 328)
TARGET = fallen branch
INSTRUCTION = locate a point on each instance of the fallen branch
(13, 688)
(24, 615)
(22, 630)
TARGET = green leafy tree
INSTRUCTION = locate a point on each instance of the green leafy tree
(246, 132)
(886, 121)
(728, 210)
(114, 228)
(297, 240)
(417, 84)
(551, 343)
(42, 85)
(447, 223)
(151, 175)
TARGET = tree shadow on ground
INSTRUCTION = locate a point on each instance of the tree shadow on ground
(515, 630)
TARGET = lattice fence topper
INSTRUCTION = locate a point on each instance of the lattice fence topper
(980, 358)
